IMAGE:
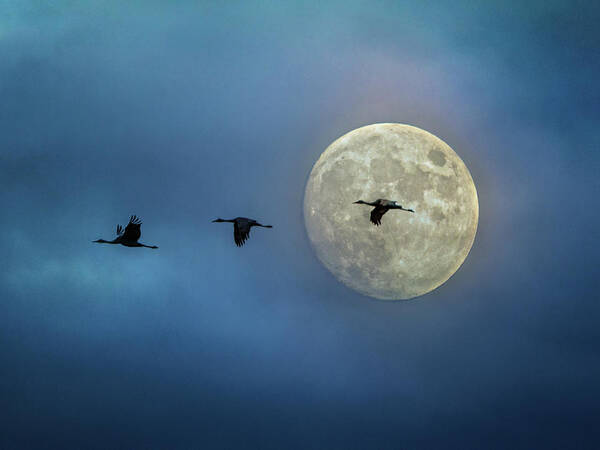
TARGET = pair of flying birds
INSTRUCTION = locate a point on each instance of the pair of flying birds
(129, 235)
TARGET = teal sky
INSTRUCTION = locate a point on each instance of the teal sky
(181, 112)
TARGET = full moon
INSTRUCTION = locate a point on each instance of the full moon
(410, 254)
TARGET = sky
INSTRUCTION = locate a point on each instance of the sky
(181, 112)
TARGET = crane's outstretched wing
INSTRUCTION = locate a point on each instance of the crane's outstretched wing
(133, 229)
(377, 214)
(241, 232)
(119, 230)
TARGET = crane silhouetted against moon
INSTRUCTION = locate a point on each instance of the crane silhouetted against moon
(408, 254)
(381, 206)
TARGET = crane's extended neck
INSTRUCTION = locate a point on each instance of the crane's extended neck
(102, 241)
(360, 202)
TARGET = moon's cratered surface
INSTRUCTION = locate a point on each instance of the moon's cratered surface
(410, 254)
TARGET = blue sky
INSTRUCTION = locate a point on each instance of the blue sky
(183, 113)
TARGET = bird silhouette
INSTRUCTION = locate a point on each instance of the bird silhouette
(382, 206)
(241, 228)
(129, 236)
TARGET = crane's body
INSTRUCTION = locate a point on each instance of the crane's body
(241, 228)
(382, 206)
(128, 236)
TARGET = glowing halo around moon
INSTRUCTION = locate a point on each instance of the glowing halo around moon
(409, 254)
